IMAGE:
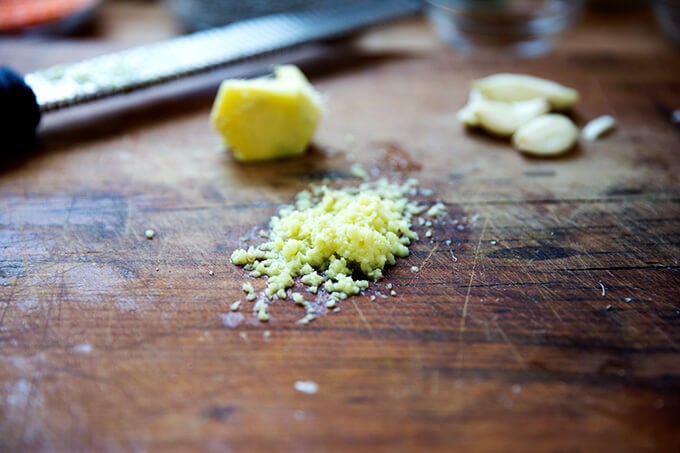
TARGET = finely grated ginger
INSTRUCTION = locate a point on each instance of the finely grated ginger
(334, 239)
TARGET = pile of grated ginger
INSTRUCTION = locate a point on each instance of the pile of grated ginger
(334, 239)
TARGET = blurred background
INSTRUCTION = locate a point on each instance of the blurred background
(464, 24)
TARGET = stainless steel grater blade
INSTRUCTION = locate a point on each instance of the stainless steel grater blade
(66, 85)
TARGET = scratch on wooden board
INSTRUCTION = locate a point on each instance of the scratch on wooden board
(421, 291)
(552, 309)
(9, 300)
(513, 348)
(546, 294)
(461, 325)
(667, 337)
(24, 257)
(429, 255)
(585, 278)
(363, 318)
(418, 275)
(48, 318)
(487, 331)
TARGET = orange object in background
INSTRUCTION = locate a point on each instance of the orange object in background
(16, 15)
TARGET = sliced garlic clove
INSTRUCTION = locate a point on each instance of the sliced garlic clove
(547, 135)
(598, 127)
(519, 87)
(503, 118)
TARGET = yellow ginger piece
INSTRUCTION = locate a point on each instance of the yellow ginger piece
(267, 118)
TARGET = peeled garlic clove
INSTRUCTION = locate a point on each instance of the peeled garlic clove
(503, 118)
(520, 87)
(468, 114)
(546, 135)
(598, 127)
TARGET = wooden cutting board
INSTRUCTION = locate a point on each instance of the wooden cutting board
(545, 315)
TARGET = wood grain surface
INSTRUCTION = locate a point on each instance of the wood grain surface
(545, 315)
